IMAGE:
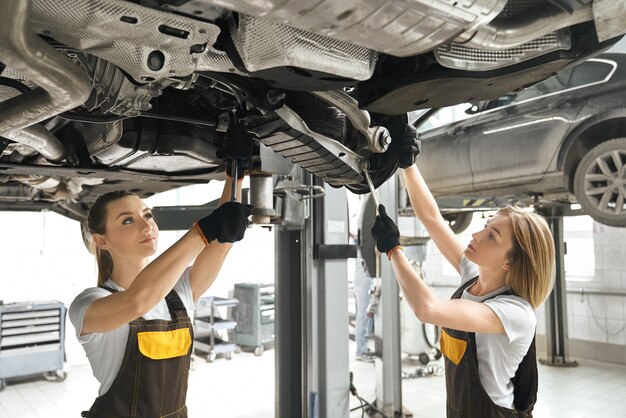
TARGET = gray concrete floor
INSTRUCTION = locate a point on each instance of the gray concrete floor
(244, 388)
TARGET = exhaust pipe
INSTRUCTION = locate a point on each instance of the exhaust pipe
(509, 33)
(41, 140)
(63, 85)
(262, 198)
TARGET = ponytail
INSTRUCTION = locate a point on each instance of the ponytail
(96, 224)
(105, 265)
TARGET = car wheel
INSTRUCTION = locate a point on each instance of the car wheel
(458, 221)
(600, 183)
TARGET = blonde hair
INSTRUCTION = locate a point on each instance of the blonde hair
(532, 258)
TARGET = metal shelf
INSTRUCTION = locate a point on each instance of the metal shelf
(207, 325)
(204, 323)
(220, 346)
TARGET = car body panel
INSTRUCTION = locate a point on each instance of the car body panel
(517, 141)
(533, 130)
(451, 173)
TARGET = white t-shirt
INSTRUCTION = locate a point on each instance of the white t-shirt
(499, 355)
(105, 351)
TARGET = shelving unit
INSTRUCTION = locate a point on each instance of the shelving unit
(208, 326)
(32, 340)
(254, 315)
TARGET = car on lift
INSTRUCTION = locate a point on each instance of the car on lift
(560, 141)
(144, 94)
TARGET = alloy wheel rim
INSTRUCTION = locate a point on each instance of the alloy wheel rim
(605, 182)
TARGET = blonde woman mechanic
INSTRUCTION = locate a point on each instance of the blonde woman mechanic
(489, 324)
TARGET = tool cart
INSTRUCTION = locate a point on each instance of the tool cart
(254, 315)
(32, 340)
(209, 328)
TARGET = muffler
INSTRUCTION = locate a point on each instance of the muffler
(41, 140)
(502, 34)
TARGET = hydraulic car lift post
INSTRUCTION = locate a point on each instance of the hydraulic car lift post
(311, 327)
(290, 288)
(387, 326)
(557, 346)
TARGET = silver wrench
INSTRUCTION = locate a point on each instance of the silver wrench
(370, 184)
(233, 185)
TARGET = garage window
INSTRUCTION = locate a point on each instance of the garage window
(588, 72)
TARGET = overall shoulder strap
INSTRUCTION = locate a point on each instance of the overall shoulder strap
(110, 289)
(174, 304)
(459, 292)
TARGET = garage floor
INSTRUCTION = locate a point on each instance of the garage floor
(244, 387)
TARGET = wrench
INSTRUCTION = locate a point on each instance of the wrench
(233, 185)
(370, 184)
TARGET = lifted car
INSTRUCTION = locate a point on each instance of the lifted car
(561, 141)
(108, 94)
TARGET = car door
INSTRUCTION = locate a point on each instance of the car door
(445, 160)
(516, 136)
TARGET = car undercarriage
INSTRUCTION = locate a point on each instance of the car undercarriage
(141, 95)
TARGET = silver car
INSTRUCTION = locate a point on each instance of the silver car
(559, 141)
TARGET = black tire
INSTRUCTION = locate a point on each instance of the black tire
(431, 334)
(459, 221)
(367, 243)
(599, 183)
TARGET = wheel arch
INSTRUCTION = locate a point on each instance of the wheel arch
(584, 138)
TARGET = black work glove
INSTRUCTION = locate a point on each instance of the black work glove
(238, 146)
(227, 223)
(408, 145)
(385, 232)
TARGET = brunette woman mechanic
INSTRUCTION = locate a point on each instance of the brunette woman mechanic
(489, 324)
(135, 326)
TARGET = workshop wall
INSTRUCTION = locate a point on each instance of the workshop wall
(597, 322)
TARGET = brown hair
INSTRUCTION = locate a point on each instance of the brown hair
(531, 259)
(96, 224)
